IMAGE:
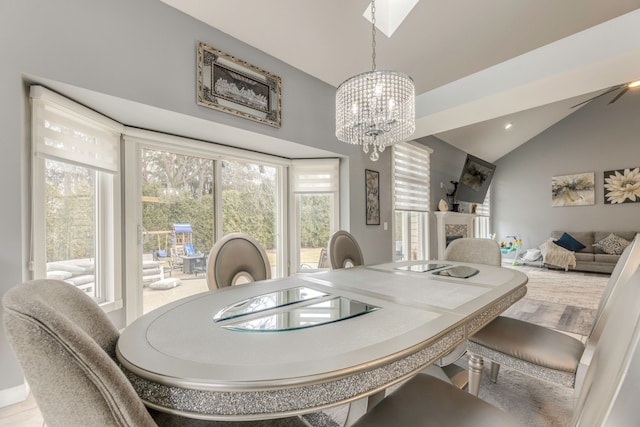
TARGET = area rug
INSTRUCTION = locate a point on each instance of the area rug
(566, 301)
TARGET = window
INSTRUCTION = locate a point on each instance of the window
(482, 222)
(98, 232)
(411, 200)
(315, 207)
(250, 204)
(76, 196)
(184, 195)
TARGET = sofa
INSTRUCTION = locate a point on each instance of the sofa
(593, 258)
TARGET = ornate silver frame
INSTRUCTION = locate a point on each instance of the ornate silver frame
(234, 86)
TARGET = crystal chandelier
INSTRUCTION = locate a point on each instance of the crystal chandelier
(376, 108)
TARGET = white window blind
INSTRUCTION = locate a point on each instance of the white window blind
(66, 131)
(482, 221)
(485, 208)
(411, 172)
(315, 176)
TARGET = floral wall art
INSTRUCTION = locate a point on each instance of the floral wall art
(622, 186)
(573, 190)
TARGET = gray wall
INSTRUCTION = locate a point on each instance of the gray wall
(596, 138)
(144, 51)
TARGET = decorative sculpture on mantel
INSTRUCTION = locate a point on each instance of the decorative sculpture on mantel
(455, 206)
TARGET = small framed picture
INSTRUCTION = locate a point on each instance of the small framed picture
(372, 188)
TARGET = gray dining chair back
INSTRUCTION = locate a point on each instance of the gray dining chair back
(65, 344)
(622, 272)
(608, 396)
(542, 352)
(344, 251)
(236, 258)
(478, 251)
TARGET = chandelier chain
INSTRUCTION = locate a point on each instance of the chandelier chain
(373, 35)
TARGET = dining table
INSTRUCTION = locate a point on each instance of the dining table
(305, 343)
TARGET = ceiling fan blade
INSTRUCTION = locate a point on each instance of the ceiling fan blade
(598, 96)
(622, 92)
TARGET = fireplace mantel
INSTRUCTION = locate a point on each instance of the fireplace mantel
(452, 225)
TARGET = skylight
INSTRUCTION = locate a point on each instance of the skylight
(390, 14)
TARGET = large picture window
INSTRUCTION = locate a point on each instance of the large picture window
(146, 241)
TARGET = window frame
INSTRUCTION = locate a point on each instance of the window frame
(137, 139)
(108, 265)
(296, 188)
(414, 196)
(119, 207)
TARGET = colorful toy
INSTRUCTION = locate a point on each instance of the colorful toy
(514, 245)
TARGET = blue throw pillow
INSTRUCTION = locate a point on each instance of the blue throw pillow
(568, 242)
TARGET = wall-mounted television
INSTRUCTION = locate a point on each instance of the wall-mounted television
(474, 180)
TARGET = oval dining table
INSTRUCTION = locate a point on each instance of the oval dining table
(304, 343)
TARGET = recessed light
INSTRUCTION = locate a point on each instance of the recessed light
(507, 126)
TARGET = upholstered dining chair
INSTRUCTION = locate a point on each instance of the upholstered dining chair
(478, 251)
(236, 258)
(344, 251)
(66, 346)
(542, 352)
(607, 397)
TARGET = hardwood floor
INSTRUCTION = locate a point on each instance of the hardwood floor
(23, 414)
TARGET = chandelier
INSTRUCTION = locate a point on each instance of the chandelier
(376, 108)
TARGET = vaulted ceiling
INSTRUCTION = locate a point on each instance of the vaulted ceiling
(477, 65)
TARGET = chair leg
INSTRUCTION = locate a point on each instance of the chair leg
(359, 407)
(476, 364)
(495, 368)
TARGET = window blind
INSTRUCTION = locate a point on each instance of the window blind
(65, 131)
(482, 221)
(315, 176)
(485, 208)
(411, 177)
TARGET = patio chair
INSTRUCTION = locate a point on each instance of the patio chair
(176, 262)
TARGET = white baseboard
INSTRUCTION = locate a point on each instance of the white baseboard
(9, 396)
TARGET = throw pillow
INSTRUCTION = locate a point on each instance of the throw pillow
(168, 283)
(568, 242)
(612, 244)
(532, 255)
